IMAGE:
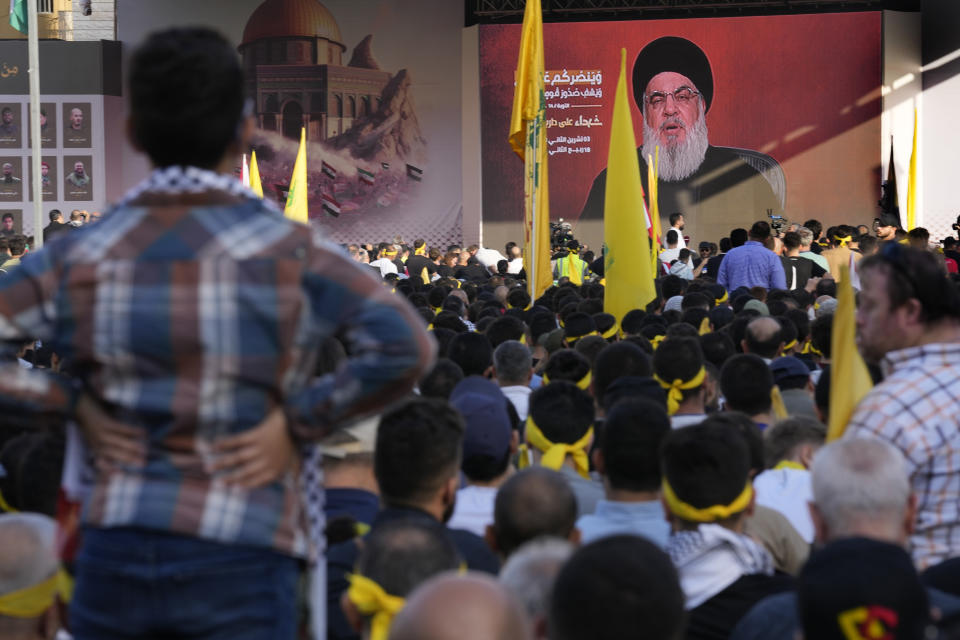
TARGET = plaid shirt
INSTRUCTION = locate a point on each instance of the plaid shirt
(917, 410)
(190, 316)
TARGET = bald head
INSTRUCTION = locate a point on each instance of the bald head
(763, 337)
(452, 607)
(535, 502)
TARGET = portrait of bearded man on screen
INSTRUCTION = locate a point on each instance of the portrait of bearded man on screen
(715, 188)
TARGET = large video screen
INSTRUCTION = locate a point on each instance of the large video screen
(753, 117)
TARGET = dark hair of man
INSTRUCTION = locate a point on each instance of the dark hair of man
(419, 242)
(436, 296)
(17, 244)
(760, 231)
(672, 237)
(777, 307)
(781, 439)
(672, 286)
(737, 329)
(533, 503)
(630, 325)
(614, 587)
(513, 363)
(33, 462)
(590, 347)
(518, 298)
(568, 309)
(632, 434)
(679, 359)
(401, 554)
(683, 329)
(788, 330)
(693, 318)
(562, 411)
(919, 233)
(418, 449)
(503, 329)
(441, 379)
(566, 364)
(675, 218)
(453, 305)
(725, 245)
(746, 381)
(827, 288)
(720, 317)
(815, 228)
(717, 348)
(914, 273)
(791, 240)
(618, 360)
(54, 214)
(443, 338)
(696, 300)
(738, 237)
(473, 352)
(186, 97)
(706, 465)
(868, 244)
(590, 306)
(748, 430)
(800, 321)
(638, 341)
(767, 347)
(821, 331)
(450, 320)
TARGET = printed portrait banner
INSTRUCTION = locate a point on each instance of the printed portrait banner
(78, 182)
(11, 125)
(792, 116)
(11, 178)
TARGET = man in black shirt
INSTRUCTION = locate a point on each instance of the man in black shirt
(419, 260)
(797, 268)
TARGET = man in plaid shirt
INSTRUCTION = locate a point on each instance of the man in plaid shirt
(909, 319)
(191, 315)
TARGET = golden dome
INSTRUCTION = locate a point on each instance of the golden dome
(286, 18)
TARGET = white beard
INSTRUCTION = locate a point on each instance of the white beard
(678, 161)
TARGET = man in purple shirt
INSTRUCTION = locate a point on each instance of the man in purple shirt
(752, 265)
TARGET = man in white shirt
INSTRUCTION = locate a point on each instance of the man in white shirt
(513, 369)
(489, 258)
(677, 224)
(488, 446)
(672, 252)
(515, 258)
(384, 262)
(678, 368)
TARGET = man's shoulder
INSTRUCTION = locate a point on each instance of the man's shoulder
(772, 618)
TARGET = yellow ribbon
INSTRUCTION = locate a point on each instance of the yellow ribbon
(691, 513)
(843, 240)
(809, 348)
(422, 251)
(705, 325)
(776, 401)
(790, 464)
(31, 602)
(555, 453)
(523, 339)
(7, 508)
(611, 332)
(371, 600)
(790, 345)
(573, 340)
(390, 254)
(676, 388)
(437, 310)
(723, 298)
(583, 383)
(656, 340)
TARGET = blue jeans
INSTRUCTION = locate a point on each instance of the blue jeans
(134, 583)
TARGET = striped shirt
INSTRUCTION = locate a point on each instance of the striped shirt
(917, 409)
(191, 316)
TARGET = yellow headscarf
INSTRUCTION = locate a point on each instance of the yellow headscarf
(691, 513)
(31, 602)
(676, 388)
(583, 383)
(776, 402)
(555, 453)
(705, 325)
(656, 340)
(371, 600)
(611, 332)
(843, 240)
(723, 298)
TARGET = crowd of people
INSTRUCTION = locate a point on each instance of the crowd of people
(218, 425)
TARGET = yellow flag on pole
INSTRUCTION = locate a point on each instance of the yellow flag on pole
(912, 180)
(296, 208)
(653, 195)
(528, 138)
(255, 183)
(849, 378)
(627, 266)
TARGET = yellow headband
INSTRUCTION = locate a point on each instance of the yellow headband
(843, 240)
(422, 251)
(776, 403)
(656, 340)
(371, 600)
(33, 601)
(676, 388)
(723, 298)
(554, 453)
(573, 339)
(5, 506)
(390, 254)
(691, 513)
(705, 325)
(611, 332)
(790, 345)
(809, 348)
(583, 383)
(790, 464)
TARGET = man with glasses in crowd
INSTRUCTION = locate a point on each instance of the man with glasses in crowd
(909, 320)
(709, 185)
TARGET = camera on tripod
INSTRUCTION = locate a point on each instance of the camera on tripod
(560, 234)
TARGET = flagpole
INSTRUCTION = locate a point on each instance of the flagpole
(33, 53)
(530, 162)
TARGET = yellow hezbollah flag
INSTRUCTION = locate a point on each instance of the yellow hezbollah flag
(296, 208)
(255, 183)
(653, 197)
(627, 267)
(912, 180)
(849, 379)
(528, 138)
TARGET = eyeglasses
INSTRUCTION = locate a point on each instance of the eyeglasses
(682, 96)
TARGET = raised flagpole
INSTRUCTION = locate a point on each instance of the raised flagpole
(33, 53)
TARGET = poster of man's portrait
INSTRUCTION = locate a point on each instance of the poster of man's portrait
(77, 183)
(76, 124)
(48, 178)
(10, 125)
(48, 125)
(11, 178)
(11, 222)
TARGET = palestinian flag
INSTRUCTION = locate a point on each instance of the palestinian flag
(415, 173)
(385, 166)
(330, 205)
(366, 176)
(328, 170)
